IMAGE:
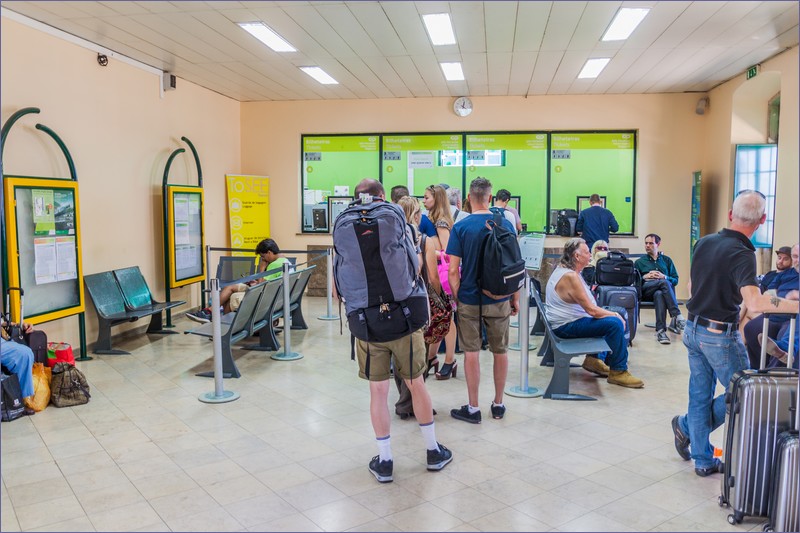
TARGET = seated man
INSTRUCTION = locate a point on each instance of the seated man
(784, 285)
(783, 262)
(573, 313)
(231, 296)
(18, 359)
(659, 279)
(778, 349)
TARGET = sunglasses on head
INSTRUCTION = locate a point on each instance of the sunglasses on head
(603, 248)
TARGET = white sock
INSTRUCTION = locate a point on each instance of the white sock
(473, 410)
(384, 448)
(501, 404)
(429, 434)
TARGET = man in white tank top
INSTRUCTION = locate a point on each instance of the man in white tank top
(573, 313)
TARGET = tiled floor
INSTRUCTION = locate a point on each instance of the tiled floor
(291, 454)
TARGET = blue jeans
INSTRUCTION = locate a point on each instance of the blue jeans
(610, 328)
(712, 356)
(18, 358)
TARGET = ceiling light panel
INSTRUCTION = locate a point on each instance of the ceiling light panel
(452, 71)
(626, 20)
(260, 31)
(593, 67)
(440, 29)
(320, 75)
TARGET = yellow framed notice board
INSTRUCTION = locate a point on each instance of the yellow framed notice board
(185, 241)
(44, 247)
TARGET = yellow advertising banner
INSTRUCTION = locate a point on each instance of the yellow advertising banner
(248, 210)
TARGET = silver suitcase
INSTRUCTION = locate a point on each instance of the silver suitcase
(761, 407)
(784, 500)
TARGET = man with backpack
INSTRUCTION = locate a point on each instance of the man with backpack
(475, 307)
(376, 274)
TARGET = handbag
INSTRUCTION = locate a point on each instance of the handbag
(59, 352)
(441, 307)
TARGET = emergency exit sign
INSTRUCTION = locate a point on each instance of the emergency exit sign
(752, 71)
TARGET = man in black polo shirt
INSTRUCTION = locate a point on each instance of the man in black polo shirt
(723, 275)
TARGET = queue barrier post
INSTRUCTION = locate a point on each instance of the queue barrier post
(329, 288)
(220, 395)
(287, 354)
(523, 390)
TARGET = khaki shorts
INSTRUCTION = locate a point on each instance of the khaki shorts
(237, 297)
(381, 355)
(495, 318)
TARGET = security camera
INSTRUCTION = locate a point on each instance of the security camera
(702, 105)
(102, 60)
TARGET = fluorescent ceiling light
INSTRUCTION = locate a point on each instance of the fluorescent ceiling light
(624, 23)
(594, 67)
(440, 30)
(260, 31)
(320, 75)
(452, 71)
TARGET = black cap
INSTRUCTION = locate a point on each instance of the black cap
(786, 250)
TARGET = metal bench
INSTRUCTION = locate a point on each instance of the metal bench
(562, 351)
(123, 296)
(234, 326)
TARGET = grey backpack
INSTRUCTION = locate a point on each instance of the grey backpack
(375, 271)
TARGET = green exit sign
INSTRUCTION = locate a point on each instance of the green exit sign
(752, 71)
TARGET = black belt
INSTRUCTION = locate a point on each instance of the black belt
(713, 324)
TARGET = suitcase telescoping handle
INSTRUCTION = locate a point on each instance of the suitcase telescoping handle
(8, 302)
(764, 331)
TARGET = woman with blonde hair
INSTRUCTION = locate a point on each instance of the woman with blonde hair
(436, 224)
(599, 251)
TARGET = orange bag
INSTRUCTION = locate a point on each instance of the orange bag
(41, 388)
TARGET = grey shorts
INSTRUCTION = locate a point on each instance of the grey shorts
(494, 316)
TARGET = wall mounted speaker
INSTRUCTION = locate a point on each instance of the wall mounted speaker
(169, 81)
(702, 105)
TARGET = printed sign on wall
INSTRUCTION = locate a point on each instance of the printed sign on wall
(248, 210)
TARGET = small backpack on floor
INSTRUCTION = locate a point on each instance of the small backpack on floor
(11, 404)
(68, 386)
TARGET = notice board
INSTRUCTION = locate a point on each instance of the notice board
(185, 241)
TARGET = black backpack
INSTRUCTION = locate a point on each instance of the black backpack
(501, 269)
(615, 269)
(11, 405)
(566, 221)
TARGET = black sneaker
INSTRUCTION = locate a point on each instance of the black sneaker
(662, 337)
(382, 470)
(681, 440)
(465, 415)
(201, 315)
(498, 411)
(717, 468)
(437, 459)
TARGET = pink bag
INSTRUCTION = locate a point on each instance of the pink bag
(443, 266)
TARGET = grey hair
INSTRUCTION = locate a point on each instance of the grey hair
(480, 188)
(454, 196)
(749, 207)
(568, 257)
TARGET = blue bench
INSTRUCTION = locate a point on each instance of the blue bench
(123, 296)
(560, 351)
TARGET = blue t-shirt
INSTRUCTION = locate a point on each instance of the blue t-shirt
(594, 224)
(426, 227)
(465, 242)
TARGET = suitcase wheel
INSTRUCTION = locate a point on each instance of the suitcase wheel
(721, 501)
(767, 527)
(733, 519)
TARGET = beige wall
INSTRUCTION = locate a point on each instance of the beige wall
(728, 107)
(671, 140)
(120, 133)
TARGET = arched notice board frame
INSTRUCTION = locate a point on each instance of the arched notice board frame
(185, 235)
(44, 247)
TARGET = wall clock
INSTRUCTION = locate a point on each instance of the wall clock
(462, 106)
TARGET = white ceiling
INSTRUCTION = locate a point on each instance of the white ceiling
(382, 50)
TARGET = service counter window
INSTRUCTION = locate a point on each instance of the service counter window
(418, 161)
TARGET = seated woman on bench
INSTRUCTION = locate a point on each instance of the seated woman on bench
(18, 358)
(231, 296)
(573, 313)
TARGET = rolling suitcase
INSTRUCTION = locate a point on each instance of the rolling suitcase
(760, 407)
(784, 500)
(625, 297)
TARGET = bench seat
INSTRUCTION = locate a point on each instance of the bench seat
(560, 351)
(123, 296)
